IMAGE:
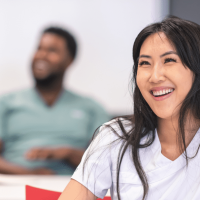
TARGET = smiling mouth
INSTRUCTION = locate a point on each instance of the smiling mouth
(161, 93)
(41, 65)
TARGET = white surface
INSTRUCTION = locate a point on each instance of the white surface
(57, 183)
(12, 187)
(10, 192)
(105, 30)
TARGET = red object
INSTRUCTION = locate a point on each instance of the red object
(33, 193)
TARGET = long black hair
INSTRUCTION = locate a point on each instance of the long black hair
(185, 37)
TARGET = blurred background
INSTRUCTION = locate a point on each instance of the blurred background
(185, 9)
(105, 32)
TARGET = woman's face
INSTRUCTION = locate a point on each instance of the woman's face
(161, 77)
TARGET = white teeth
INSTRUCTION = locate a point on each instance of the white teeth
(162, 92)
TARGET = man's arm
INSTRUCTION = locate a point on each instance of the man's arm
(9, 168)
(75, 156)
(71, 155)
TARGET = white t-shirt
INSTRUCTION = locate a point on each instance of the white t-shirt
(168, 180)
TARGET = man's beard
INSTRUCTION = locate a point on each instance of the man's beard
(46, 82)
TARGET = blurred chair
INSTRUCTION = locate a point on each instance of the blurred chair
(33, 193)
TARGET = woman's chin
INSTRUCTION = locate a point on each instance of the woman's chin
(165, 115)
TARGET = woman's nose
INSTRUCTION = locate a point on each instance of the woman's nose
(157, 74)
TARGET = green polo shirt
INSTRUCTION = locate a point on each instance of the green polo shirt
(27, 122)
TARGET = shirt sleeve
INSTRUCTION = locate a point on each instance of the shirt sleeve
(94, 171)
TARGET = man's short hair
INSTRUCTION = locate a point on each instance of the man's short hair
(69, 39)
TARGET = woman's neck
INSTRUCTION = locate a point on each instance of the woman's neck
(168, 130)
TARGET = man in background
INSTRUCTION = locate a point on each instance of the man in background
(45, 129)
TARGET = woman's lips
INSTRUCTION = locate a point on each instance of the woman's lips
(160, 98)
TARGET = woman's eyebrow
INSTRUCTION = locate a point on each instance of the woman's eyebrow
(144, 56)
(164, 54)
(167, 53)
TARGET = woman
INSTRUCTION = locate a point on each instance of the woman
(154, 153)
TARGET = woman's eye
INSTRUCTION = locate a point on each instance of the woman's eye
(169, 60)
(144, 63)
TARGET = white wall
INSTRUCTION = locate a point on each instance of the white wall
(105, 30)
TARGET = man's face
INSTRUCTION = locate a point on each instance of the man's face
(51, 58)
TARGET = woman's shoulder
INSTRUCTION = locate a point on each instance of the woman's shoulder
(112, 133)
(119, 126)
